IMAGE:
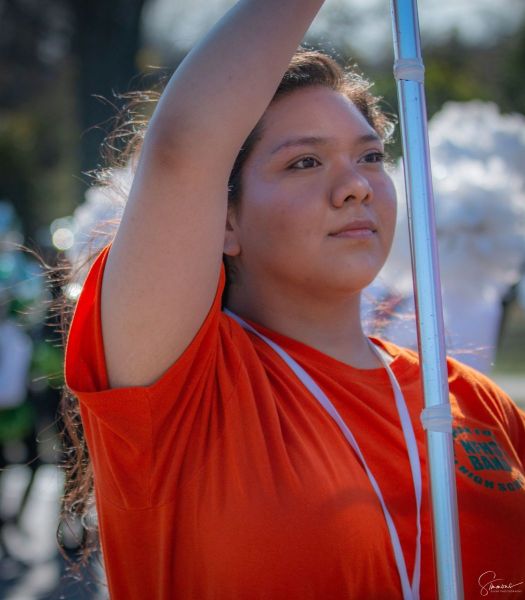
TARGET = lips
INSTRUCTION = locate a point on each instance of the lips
(356, 228)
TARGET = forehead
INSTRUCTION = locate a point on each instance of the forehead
(315, 112)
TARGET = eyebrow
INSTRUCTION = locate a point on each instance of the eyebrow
(320, 141)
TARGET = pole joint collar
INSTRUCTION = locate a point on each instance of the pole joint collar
(437, 418)
(409, 69)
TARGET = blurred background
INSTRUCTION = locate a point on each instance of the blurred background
(63, 64)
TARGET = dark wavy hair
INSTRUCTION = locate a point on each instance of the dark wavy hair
(307, 68)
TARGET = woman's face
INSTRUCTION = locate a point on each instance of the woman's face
(318, 209)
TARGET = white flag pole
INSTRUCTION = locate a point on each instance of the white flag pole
(436, 417)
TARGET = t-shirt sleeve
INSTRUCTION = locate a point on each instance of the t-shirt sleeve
(483, 398)
(126, 428)
(85, 364)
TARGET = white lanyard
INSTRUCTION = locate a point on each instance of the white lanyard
(410, 590)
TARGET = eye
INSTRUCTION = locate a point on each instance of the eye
(374, 157)
(307, 162)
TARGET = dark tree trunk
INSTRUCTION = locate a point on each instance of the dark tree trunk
(106, 44)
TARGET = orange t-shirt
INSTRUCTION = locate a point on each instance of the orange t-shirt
(226, 479)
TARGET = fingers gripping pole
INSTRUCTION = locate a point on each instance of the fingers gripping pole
(436, 418)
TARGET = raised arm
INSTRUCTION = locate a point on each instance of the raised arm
(162, 270)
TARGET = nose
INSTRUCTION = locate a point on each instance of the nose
(351, 185)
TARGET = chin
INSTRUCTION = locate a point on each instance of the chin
(349, 285)
(356, 278)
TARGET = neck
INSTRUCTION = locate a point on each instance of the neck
(331, 325)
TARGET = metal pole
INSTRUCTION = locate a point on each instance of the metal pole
(409, 73)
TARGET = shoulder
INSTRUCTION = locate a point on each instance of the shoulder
(479, 397)
(468, 380)
(471, 390)
(476, 400)
(459, 374)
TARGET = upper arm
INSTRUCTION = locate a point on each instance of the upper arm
(162, 270)
(164, 264)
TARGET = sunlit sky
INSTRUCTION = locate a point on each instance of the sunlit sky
(180, 23)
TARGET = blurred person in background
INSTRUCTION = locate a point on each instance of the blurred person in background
(29, 364)
(16, 348)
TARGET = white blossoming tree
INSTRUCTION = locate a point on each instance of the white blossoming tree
(478, 157)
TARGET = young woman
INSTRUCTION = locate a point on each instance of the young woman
(261, 452)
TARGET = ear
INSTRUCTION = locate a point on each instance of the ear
(232, 246)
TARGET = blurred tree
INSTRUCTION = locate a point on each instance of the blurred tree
(106, 42)
(35, 38)
(449, 75)
(55, 55)
(513, 65)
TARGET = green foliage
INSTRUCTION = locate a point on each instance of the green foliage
(38, 156)
(16, 422)
(47, 365)
(512, 68)
(40, 140)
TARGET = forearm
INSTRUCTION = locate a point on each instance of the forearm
(225, 83)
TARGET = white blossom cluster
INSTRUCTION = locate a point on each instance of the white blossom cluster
(92, 225)
(478, 159)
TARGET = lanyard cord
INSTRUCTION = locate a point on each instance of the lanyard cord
(410, 591)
